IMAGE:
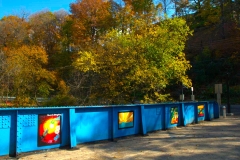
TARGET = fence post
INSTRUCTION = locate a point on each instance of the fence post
(13, 149)
(183, 118)
(144, 130)
(112, 124)
(72, 128)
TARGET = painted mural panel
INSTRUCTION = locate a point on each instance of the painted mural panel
(200, 110)
(174, 115)
(49, 129)
(125, 119)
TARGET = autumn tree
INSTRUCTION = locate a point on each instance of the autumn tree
(89, 21)
(29, 78)
(5, 77)
(91, 18)
(46, 32)
(201, 13)
(13, 32)
(140, 64)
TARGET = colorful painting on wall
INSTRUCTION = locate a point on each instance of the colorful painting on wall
(49, 129)
(125, 119)
(200, 110)
(174, 115)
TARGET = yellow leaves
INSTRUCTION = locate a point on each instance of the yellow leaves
(143, 60)
(63, 88)
(86, 62)
(31, 56)
(28, 75)
(155, 98)
(186, 81)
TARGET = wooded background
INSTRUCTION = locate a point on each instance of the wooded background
(119, 52)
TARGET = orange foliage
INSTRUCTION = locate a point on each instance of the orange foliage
(13, 32)
(91, 17)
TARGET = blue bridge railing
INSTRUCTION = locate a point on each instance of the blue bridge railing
(30, 129)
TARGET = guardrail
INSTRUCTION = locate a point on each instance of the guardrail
(30, 129)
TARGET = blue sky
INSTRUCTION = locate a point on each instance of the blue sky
(13, 7)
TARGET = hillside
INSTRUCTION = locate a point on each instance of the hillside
(214, 53)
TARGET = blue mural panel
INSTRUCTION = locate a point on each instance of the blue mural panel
(216, 109)
(211, 111)
(189, 113)
(92, 124)
(154, 117)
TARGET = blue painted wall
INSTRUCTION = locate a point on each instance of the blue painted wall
(27, 129)
(7, 132)
(216, 109)
(93, 124)
(211, 110)
(154, 117)
(19, 126)
(189, 112)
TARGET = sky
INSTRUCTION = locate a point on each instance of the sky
(14, 7)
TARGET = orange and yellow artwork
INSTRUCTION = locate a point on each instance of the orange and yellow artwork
(49, 127)
(174, 115)
(200, 110)
(125, 119)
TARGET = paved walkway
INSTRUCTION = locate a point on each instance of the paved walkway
(218, 139)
